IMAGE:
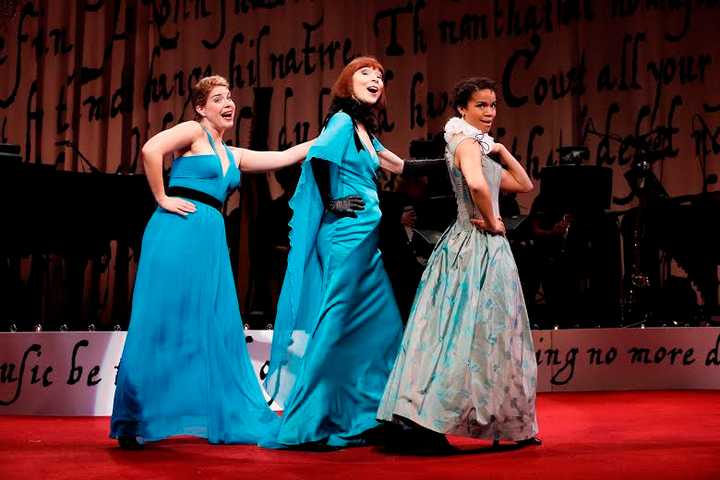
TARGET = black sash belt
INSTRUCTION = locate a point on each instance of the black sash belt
(196, 195)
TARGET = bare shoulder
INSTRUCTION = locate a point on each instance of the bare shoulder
(467, 145)
(185, 137)
(468, 149)
(190, 127)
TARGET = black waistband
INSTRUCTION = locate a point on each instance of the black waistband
(196, 195)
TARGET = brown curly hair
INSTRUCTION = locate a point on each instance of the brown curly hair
(202, 89)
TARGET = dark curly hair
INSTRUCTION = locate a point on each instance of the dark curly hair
(465, 88)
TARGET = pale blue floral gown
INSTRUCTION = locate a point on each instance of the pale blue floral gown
(467, 365)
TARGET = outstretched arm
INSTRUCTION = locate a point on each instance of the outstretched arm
(409, 167)
(254, 161)
(390, 162)
(415, 167)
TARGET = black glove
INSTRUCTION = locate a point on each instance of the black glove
(418, 167)
(345, 206)
(340, 207)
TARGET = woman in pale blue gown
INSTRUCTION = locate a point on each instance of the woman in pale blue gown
(467, 364)
(338, 327)
(185, 369)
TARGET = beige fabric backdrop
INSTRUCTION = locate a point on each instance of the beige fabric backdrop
(100, 76)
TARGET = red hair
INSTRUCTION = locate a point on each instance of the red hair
(343, 85)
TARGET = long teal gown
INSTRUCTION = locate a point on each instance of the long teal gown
(185, 369)
(467, 363)
(338, 327)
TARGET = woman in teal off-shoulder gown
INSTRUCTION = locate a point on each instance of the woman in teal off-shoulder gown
(185, 368)
(338, 327)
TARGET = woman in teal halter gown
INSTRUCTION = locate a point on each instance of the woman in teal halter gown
(338, 327)
(185, 369)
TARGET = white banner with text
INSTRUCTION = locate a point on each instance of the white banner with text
(73, 373)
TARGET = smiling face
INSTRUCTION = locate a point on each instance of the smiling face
(367, 85)
(480, 110)
(219, 108)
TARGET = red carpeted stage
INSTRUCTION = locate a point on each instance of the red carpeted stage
(638, 435)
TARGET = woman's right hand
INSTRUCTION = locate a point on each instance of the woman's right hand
(177, 205)
(346, 206)
(495, 227)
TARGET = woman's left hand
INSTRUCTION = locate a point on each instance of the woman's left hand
(497, 229)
